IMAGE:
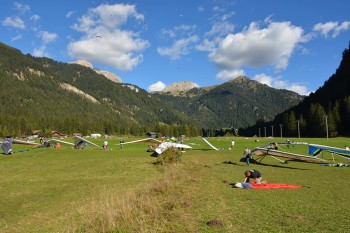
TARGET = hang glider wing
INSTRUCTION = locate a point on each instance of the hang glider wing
(260, 151)
(315, 150)
(61, 141)
(271, 151)
(166, 145)
(52, 142)
(14, 141)
(80, 141)
(142, 140)
(6, 146)
(209, 144)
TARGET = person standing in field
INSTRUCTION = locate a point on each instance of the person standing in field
(232, 144)
(105, 144)
(121, 143)
(248, 155)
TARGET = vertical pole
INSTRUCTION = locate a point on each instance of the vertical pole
(326, 125)
(271, 130)
(281, 130)
(298, 129)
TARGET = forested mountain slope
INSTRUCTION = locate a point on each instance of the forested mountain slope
(236, 103)
(40, 93)
(328, 109)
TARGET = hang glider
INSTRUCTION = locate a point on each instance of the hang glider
(61, 141)
(79, 143)
(6, 146)
(209, 144)
(166, 145)
(270, 151)
(315, 150)
(141, 140)
(53, 141)
(28, 143)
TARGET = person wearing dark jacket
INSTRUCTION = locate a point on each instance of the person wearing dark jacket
(254, 174)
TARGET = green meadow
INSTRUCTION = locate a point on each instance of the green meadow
(125, 190)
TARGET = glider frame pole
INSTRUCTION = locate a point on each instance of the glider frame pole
(333, 157)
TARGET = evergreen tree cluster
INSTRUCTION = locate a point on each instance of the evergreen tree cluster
(234, 104)
(32, 98)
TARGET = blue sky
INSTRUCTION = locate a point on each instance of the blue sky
(294, 45)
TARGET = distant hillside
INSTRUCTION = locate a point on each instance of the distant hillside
(330, 105)
(238, 103)
(40, 93)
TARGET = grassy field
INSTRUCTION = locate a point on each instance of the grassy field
(92, 190)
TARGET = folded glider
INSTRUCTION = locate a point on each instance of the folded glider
(6, 146)
(80, 142)
(268, 150)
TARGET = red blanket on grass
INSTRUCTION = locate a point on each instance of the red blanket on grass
(270, 186)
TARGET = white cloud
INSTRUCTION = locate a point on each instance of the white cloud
(47, 37)
(229, 74)
(331, 28)
(207, 45)
(221, 29)
(178, 49)
(14, 21)
(18, 37)
(278, 83)
(183, 40)
(22, 8)
(69, 14)
(35, 17)
(255, 47)
(40, 52)
(158, 86)
(104, 42)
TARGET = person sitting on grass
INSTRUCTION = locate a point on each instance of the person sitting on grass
(254, 174)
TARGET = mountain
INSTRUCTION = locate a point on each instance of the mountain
(236, 103)
(323, 113)
(111, 76)
(177, 88)
(40, 93)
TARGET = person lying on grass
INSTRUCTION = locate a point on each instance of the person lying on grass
(254, 174)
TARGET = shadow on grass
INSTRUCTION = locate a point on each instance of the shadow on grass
(202, 149)
(233, 163)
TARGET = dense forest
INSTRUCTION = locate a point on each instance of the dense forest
(323, 113)
(234, 104)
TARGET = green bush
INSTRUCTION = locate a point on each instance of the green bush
(170, 156)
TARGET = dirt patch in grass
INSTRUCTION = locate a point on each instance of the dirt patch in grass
(215, 223)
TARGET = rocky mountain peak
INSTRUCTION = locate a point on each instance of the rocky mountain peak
(180, 86)
(83, 63)
(109, 75)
